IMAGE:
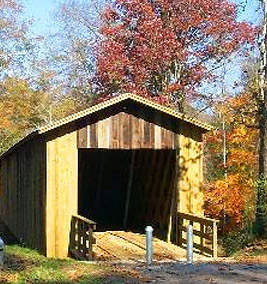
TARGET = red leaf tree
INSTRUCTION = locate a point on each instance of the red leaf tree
(166, 48)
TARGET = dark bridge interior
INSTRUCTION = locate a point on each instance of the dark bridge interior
(126, 189)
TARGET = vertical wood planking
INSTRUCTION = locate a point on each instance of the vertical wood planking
(190, 163)
(22, 202)
(82, 137)
(136, 139)
(125, 131)
(62, 192)
(114, 132)
(24, 176)
(157, 134)
(147, 141)
(51, 199)
(93, 136)
(101, 133)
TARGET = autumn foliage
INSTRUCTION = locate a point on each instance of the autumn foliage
(166, 48)
(232, 198)
(162, 49)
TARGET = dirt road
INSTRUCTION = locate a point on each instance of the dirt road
(199, 273)
(125, 251)
(203, 273)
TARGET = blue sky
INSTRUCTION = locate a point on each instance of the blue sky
(251, 11)
(41, 11)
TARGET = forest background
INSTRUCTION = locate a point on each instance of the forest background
(205, 58)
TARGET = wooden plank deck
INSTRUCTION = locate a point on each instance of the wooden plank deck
(129, 246)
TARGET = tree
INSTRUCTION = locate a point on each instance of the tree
(262, 115)
(14, 42)
(166, 49)
(231, 198)
(23, 109)
(71, 48)
(27, 96)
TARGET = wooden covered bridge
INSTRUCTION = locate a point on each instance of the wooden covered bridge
(124, 163)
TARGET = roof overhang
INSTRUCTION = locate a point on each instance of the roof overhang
(118, 99)
(104, 105)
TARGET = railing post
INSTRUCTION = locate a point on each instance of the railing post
(2, 245)
(214, 239)
(202, 240)
(189, 240)
(200, 231)
(179, 231)
(149, 245)
(81, 238)
(90, 247)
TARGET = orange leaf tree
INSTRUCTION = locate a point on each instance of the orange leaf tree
(231, 197)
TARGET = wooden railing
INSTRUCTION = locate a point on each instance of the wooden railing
(81, 237)
(204, 231)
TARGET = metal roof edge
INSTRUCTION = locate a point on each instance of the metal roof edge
(118, 99)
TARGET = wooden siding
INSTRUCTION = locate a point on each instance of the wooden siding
(125, 131)
(22, 203)
(62, 192)
(40, 179)
(190, 199)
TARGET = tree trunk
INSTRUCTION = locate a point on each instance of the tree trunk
(260, 205)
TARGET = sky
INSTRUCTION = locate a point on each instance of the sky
(41, 11)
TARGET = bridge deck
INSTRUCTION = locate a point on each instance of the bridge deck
(120, 245)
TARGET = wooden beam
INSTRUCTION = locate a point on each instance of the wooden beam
(175, 193)
(127, 203)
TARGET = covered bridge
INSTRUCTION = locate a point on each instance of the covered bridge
(124, 163)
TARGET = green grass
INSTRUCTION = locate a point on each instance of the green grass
(23, 265)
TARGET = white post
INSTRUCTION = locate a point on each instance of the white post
(189, 241)
(149, 245)
(1, 251)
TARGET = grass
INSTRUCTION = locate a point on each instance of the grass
(24, 265)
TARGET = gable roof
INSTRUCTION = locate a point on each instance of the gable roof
(102, 106)
(118, 99)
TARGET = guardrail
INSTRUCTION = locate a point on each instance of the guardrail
(81, 237)
(204, 231)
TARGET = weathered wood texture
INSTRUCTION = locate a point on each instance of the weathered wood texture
(40, 177)
(204, 233)
(62, 192)
(81, 238)
(190, 191)
(22, 202)
(125, 131)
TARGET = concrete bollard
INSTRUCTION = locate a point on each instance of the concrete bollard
(2, 245)
(189, 242)
(149, 245)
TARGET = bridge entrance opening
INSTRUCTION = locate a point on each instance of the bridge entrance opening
(127, 189)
